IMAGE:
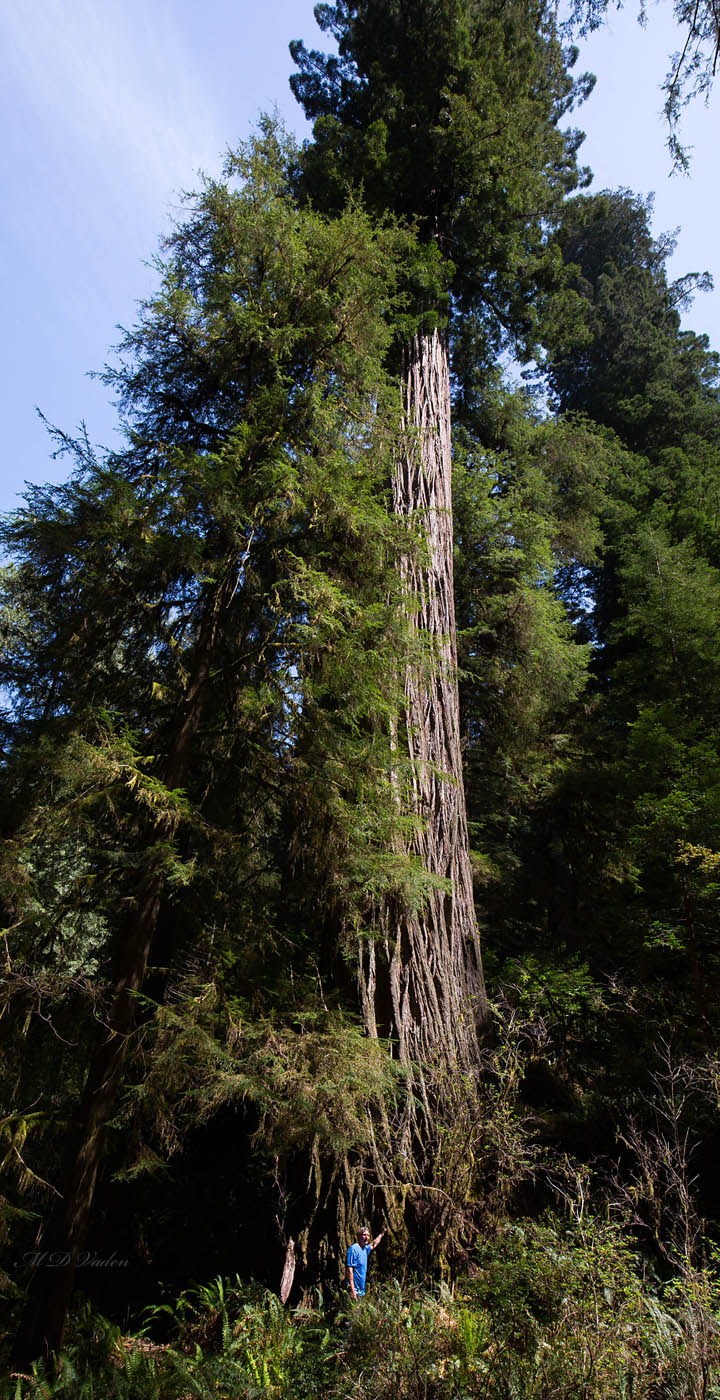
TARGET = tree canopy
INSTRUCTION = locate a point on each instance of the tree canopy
(448, 114)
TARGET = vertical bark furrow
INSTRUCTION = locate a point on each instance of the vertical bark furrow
(435, 971)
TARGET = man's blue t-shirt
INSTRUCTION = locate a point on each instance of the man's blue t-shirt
(357, 1257)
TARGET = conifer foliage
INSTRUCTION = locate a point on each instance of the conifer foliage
(203, 630)
(352, 658)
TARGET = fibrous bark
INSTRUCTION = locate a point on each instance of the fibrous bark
(422, 983)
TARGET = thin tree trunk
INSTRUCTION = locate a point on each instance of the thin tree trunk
(695, 960)
(429, 983)
(43, 1323)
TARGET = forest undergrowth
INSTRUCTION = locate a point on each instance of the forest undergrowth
(606, 1285)
(561, 1307)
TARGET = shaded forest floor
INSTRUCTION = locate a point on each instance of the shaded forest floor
(563, 1307)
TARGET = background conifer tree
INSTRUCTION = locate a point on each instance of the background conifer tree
(202, 630)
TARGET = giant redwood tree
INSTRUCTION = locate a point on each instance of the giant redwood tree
(214, 683)
(445, 113)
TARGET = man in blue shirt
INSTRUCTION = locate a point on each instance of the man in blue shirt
(357, 1257)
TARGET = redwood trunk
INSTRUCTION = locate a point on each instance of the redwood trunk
(43, 1324)
(420, 981)
(431, 974)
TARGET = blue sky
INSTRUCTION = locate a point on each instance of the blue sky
(109, 107)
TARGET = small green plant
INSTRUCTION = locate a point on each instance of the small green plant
(556, 1309)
